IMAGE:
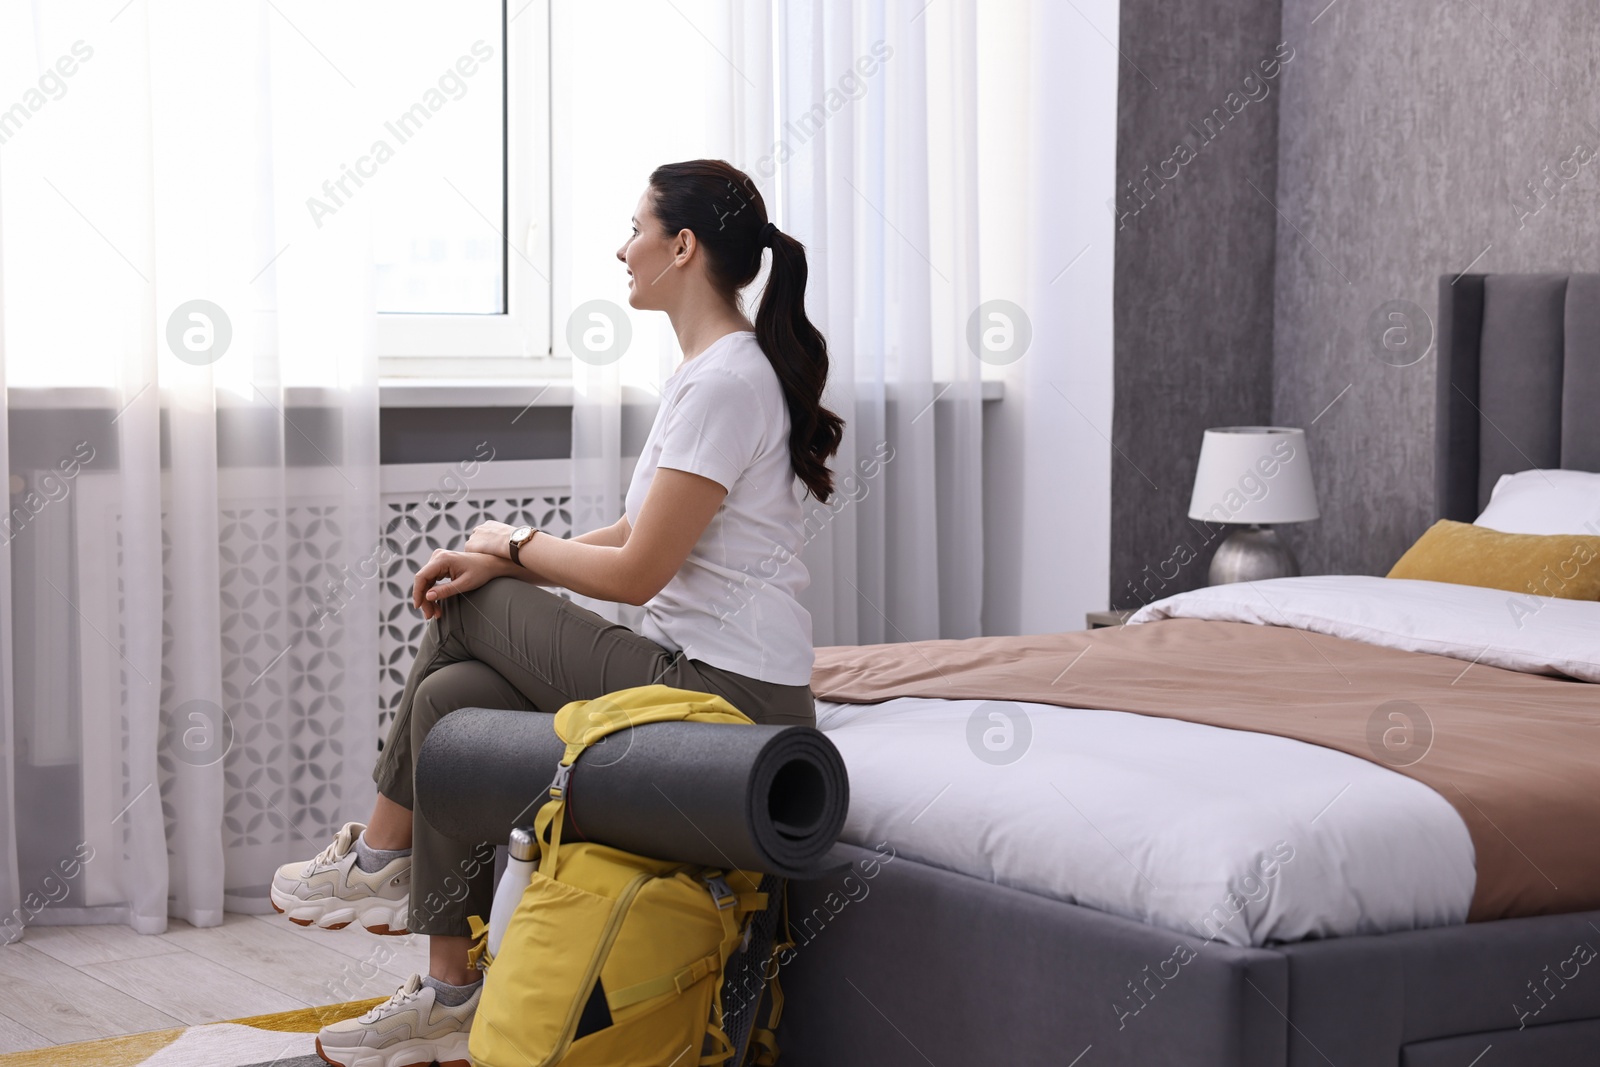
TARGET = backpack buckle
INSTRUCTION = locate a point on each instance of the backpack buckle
(721, 892)
(558, 785)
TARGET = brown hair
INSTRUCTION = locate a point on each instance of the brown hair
(724, 209)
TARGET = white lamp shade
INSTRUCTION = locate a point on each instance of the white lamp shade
(1254, 474)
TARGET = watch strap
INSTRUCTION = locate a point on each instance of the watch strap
(516, 544)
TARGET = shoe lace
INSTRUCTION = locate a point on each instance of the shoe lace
(402, 996)
(341, 844)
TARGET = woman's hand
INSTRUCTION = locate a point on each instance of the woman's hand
(463, 571)
(491, 538)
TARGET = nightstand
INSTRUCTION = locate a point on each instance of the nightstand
(1096, 620)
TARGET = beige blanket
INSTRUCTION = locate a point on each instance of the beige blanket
(1518, 755)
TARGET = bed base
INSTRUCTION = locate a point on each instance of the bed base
(902, 963)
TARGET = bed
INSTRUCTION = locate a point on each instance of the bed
(1217, 889)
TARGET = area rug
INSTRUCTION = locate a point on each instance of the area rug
(285, 1039)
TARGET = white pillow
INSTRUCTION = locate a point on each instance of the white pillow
(1544, 502)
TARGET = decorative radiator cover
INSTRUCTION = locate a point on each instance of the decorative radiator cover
(429, 506)
(281, 681)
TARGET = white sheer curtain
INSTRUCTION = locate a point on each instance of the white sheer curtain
(612, 124)
(188, 638)
(857, 122)
(884, 195)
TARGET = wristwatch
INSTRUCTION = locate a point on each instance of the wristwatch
(519, 537)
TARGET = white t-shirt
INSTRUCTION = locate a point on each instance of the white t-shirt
(733, 603)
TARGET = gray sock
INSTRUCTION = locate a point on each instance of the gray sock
(451, 995)
(371, 859)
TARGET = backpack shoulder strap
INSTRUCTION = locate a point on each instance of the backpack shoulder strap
(765, 1039)
(478, 955)
(735, 910)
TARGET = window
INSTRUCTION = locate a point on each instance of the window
(440, 208)
(437, 117)
(165, 168)
(462, 227)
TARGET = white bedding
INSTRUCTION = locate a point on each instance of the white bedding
(1242, 837)
(1168, 822)
(1519, 631)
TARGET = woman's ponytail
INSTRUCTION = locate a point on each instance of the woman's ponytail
(723, 208)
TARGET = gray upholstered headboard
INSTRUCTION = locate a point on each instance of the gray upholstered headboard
(1519, 381)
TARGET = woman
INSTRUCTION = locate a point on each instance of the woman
(713, 509)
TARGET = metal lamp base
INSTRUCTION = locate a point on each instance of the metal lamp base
(1251, 554)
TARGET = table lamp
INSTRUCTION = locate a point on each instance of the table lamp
(1252, 477)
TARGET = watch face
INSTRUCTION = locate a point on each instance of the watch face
(521, 534)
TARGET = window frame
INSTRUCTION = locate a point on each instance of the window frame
(517, 343)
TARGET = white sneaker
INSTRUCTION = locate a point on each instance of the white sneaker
(330, 891)
(410, 1029)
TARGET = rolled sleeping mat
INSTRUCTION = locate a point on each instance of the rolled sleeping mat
(731, 795)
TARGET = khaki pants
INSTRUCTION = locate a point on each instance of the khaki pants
(513, 645)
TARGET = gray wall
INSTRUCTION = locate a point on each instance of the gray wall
(1399, 145)
(1193, 275)
(1405, 132)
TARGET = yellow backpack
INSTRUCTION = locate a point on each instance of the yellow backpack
(611, 958)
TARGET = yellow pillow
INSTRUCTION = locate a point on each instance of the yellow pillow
(1559, 565)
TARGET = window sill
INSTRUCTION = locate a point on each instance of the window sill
(475, 393)
(517, 393)
(392, 393)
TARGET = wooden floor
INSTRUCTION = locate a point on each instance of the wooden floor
(77, 983)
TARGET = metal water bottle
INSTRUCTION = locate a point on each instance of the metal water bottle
(524, 849)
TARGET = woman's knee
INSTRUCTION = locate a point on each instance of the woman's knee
(459, 606)
(463, 684)
(495, 597)
(432, 701)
